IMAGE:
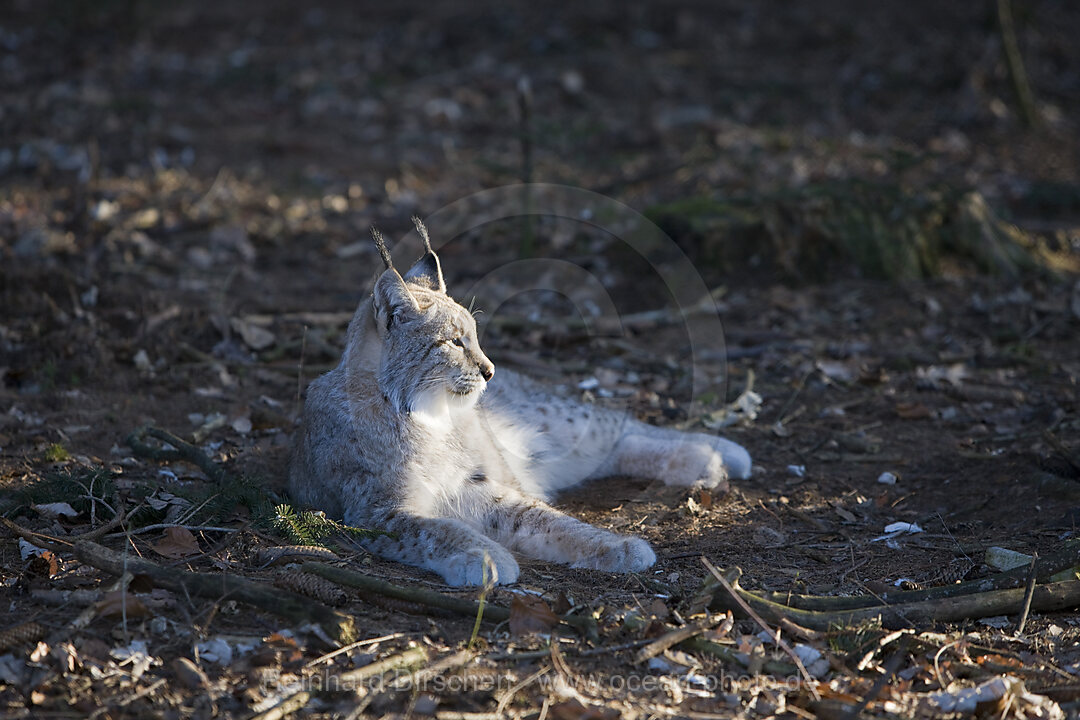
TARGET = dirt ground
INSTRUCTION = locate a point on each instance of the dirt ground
(185, 197)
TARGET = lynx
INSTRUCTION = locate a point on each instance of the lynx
(415, 434)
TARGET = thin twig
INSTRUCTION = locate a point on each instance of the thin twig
(1029, 594)
(1049, 565)
(352, 646)
(890, 667)
(287, 706)
(48, 542)
(162, 526)
(409, 658)
(300, 369)
(505, 699)
(436, 669)
(1025, 98)
(429, 598)
(811, 685)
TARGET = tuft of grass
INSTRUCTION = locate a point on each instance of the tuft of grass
(884, 230)
(56, 453)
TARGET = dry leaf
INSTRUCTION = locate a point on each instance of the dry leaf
(178, 542)
(45, 564)
(574, 710)
(255, 337)
(845, 514)
(56, 509)
(530, 614)
(912, 411)
(121, 604)
(189, 674)
(40, 652)
(659, 610)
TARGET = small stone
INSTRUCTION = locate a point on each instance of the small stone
(242, 425)
(142, 362)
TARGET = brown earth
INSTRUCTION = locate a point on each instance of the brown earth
(185, 195)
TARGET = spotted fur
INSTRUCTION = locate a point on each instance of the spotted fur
(414, 434)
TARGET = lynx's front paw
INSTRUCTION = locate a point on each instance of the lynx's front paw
(480, 565)
(620, 554)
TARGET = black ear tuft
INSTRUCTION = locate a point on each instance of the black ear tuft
(380, 243)
(421, 230)
(427, 272)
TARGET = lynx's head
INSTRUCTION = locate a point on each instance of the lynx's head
(430, 359)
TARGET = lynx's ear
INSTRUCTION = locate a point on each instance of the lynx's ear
(427, 272)
(392, 299)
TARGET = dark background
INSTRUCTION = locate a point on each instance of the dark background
(186, 191)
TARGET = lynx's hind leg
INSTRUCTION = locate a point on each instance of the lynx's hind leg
(678, 458)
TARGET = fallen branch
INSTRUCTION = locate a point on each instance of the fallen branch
(295, 699)
(890, 668)
(184, 451)
(291, 606)
(701, 646)
(47, 542)
(285, 708)
(430, 598)
(673, 637)
(780, 642)
(1046, 598)
(1049, 565)
(1029, 593)
(437, 669)
(409, 658)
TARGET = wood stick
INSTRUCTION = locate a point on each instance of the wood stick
(47, 542)
(891, 666)
(1049, 566)
(285, 708)
(780, 642)
(429, 598)
(409, 658)
(702, 646)
(1025, 98)
(1046, 598)
(291, 606)
(1029, 593)
(184, 451)
(674, 637)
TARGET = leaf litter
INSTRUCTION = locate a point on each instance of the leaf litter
(196, 312)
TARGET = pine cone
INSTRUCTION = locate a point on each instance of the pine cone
(313, 586)
(957, 570)
(27, 632)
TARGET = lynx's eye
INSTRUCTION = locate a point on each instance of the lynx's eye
(459, 342)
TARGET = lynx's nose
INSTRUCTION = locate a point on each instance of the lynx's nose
(487, 370)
